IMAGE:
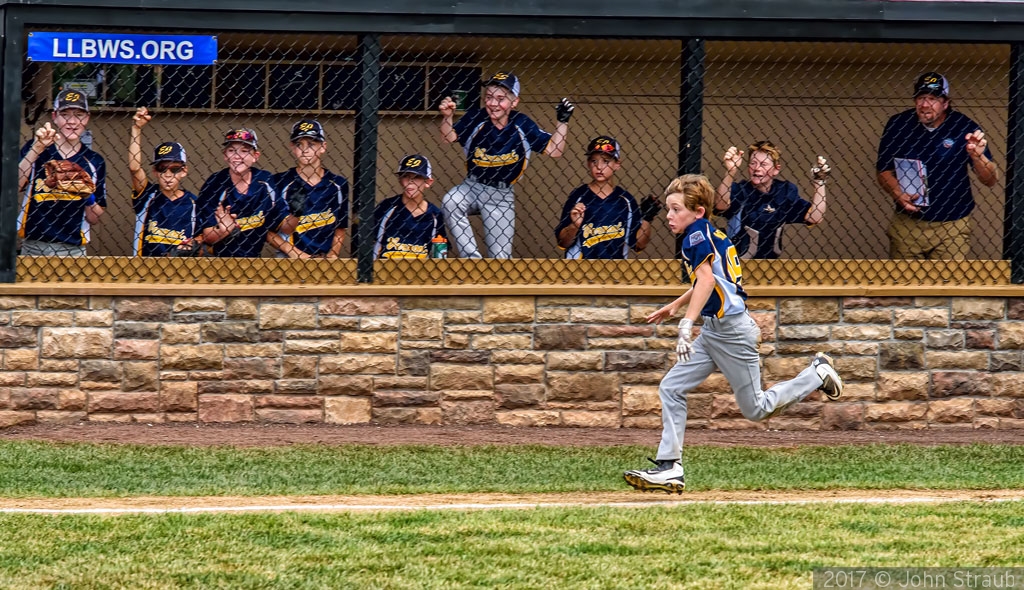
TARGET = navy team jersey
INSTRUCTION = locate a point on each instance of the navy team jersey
(257, 213)
(703, 243)
(219, 184)
(944, 153)
(161, 223)
(756, 219)
(49, 214)
(498, 155)
(609, 225)
(326, 209)
(400, 235)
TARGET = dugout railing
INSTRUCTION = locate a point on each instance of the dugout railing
(674, 96)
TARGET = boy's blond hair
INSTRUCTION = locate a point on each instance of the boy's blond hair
(767, 147)
(696, 190)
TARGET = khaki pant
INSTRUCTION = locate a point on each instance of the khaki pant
(929, 240)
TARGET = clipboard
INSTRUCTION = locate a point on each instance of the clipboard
(913, 178)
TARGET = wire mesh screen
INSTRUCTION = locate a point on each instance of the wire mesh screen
(518, 173)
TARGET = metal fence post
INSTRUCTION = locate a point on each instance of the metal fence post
(691, 109)
(10, 128)
(365, 152)
(1013, 219)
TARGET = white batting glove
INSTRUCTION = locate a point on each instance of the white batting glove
(821, 170)
(684, 346)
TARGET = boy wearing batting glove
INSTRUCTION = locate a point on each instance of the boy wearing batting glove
(64, 183)
(728, 339)
(166, 216)
(600, 219)
(758, 209)
(497, 141)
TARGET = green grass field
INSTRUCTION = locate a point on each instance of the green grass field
(689, 546)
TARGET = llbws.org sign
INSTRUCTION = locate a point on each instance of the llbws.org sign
(167, 50)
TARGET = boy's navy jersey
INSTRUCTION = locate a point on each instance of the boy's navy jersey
(326, 209)
(609, 225)
(219, 184)
(400, 235)
(943, 151)
(257, 213)
(160, 223)
(50, 213)
(703, 243)
(756, 219)
(498, 155)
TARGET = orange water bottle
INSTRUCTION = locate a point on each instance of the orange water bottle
(439, 247)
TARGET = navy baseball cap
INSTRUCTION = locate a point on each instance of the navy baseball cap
(70, 99)
(415, 164)
(604, 144)
(932, 83)
(506, 80)
(169, 151)
(243, 135)
(308, 128)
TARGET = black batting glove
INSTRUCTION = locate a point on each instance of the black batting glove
(563, 110)
(297, 200)
(649, 208)
(186, 250)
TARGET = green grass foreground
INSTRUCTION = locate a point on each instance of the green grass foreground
(707, 546)
(35, 469)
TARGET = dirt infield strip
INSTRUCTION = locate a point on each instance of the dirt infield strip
(629, 499)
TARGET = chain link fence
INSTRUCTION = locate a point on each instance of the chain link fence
(807, 99)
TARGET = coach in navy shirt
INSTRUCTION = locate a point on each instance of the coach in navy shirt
(938, 145)
(498, 142)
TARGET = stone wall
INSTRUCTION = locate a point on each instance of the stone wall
(909, 362)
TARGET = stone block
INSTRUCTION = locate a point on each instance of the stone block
(927, 318)
(104, 371)
(137, 330)
(407, 415)
(517, 357)
(348, 385)
(944, 339)
(614, 331)
(230, 332)
(508, 310)
(422, 325)
(142, 309)
(502, 341)
(236, 387)
(203, 356)
(560, 337)
(289, 416)
(985, 339)
(21, 359)
(226, 408)
(35, 398)
(13, 418)
(241, 308)
(287, 316)
(18, 337)
(808, 310)
(842, 417)
(251, 368)
(954, 383)
(179, 396)
(512, 396)
(8, 302)
(408, 382)
(788, 423)
(118, 402)
(298, 367)
(359, 306)
(51, 379)
(72, 399)
(369, 364)
(405, 399)
(347, 410)
(895, 412)
(378, 324)
(638, 401)
(634, 361)
(136, 349)
(575, 361)
(446, 377)
(467, 412)
(956, 360)
(198, 304)
(861, 332)
(867, 316)
(180, 333)
(995, 407)
(803, 332)
(583, 419)
(583, 386)
(598, 315)
(901, 356)
(978, 308)
(950, 411)
(463, 317)
(296, 386)
(902, 386)
(621, 344)
(369, 342)
(519, 418)
(95, 319)
(59, 417)
(80, 343)
(518, 374)
(140, 376)
(42, 318)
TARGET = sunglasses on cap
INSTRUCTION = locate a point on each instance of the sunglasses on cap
(603, 147)
(240, 135)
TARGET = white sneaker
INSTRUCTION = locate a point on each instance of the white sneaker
(666, 475)
(831, 382)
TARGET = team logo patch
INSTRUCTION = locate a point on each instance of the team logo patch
(305, 126)
(413, 162)
(696, 238)
(501, 76)
(164, 150)
(72, 97)
(947, 143)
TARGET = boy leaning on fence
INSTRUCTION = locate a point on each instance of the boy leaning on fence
(498, 142)
(601, 219)
(166, 215)
(64, 183)
(238, 205)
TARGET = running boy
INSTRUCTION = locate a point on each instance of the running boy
(407, 223)
(757, 210)
(315, 195)
(239, 205)
(498, 142)
(728, 339)
(600, 219)
(64, 183)
(166, 216)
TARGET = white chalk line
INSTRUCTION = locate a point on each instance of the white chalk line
(498, 506)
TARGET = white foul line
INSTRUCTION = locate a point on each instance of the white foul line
(494, 506)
